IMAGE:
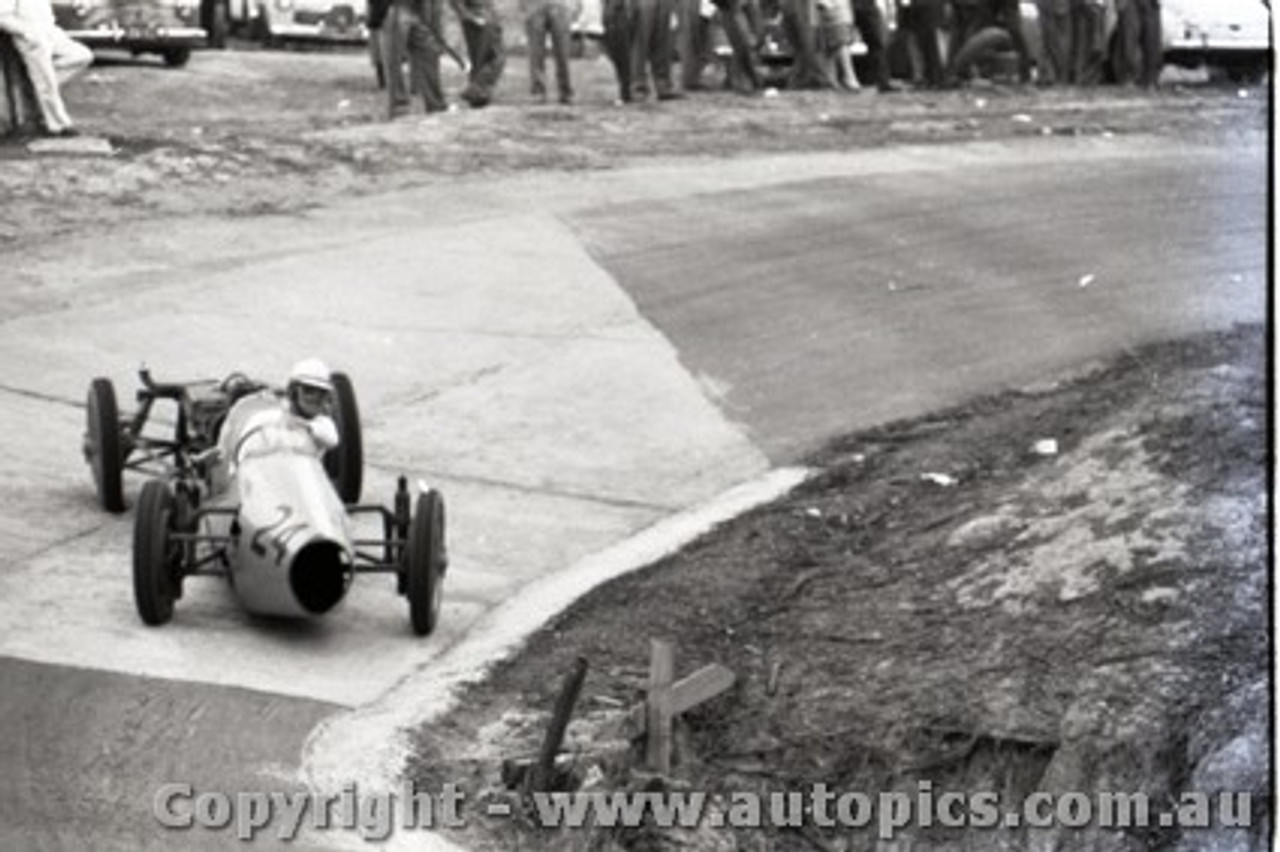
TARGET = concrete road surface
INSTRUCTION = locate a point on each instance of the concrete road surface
(571, 358)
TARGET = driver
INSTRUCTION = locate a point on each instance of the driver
(305, 404)
(310, 394)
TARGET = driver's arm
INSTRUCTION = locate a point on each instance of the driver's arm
(324, 431)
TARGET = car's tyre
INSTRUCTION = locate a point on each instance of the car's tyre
(427, 561)
(345, 462)
(176, 57)
(102, 448)
(155, 554)
(982, 45)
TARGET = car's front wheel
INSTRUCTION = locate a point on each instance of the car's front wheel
(155, 554)
(176, 57)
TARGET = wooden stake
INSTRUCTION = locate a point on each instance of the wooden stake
(662, 673)
(540, 778)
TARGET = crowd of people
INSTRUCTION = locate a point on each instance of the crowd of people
(645, 39)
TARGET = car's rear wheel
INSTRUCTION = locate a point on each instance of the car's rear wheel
(345, 462)
(155, 554)
(102, 445)
(427, 561)
(176, 57)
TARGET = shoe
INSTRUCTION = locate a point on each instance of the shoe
(566, 100)
(671, 96)
(68, 132)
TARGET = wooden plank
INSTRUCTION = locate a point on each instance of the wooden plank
(704, 684)
(662, 672)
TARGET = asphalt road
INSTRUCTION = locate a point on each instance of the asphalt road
(571, 361)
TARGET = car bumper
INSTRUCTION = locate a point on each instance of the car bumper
(319, 32)
(157, 38)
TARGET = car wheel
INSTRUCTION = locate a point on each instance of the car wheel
(176, 57)
(345, 462)
(155, 554)
(102, 445)
(427, 563)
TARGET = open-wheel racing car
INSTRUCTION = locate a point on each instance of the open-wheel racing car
(243, 489)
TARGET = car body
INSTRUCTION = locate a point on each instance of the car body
(1230, 34)
(243, 490)
(274, 21)
(170, 28)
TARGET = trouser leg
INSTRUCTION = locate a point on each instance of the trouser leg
(535, 28)
(559, 21)
(660, 59)
(733, 20)
(394, 34)
(870, 23)
(70, 57)
(617, 43)
(424, 65)
(641, 25)
(1150, 41)
(692, 43)
(928, 20)
(37, 55)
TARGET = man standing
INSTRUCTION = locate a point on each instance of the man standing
(1088, 41)
(412, 26)
(738, 28)
(694, 41)
(869, 20)
(487, 55)
(1141, 51)
(543, 17)
(651, 49)
(922, 19)
(617, 43)
(1055, 34)
(50, 55)
(798, 26)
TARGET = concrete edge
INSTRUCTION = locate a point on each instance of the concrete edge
(368, 746)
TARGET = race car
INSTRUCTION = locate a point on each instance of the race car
(250, 497)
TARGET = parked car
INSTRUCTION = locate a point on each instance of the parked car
(170, 28)
(1232, 35)
(275, 21)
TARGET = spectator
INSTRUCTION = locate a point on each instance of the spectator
(375, 16)
(617, 43)
(413, 27)
(51, 56)
(797, 24)
(1055, 34)
(1141, 54)
(1088, 41)
(651, 49)
(694, 41)
(735, 19)
(919, 21)
(487, 55)
(870, 23)
(835, 37)
(552, 17)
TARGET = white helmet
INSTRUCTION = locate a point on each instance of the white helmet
(311, 372)
(310, 388)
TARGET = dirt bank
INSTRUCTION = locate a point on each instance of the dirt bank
(1061, 589)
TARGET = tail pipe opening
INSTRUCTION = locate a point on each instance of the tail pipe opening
(320, 575)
